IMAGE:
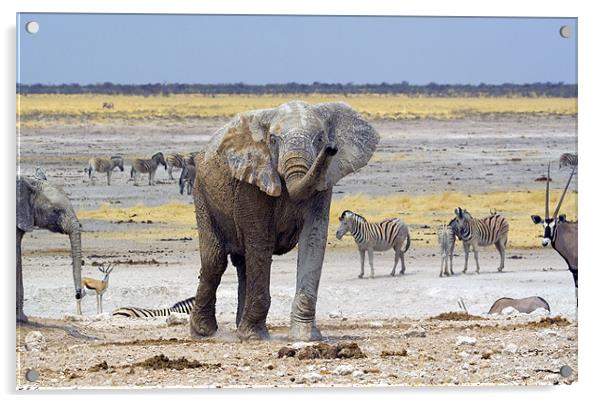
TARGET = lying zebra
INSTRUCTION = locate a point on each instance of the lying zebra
(372, 237)
(184, 306)
(103, 165)
(480, 232)
(147, 166)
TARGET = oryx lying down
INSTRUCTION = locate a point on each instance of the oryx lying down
(524, 305)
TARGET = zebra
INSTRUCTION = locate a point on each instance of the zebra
(174, 161)
(567, 159)
(371, 237)
(147, 166)
(103, 165)
(190, 157)
(447, 241)
(184, 306)
(187, 178)
(480, 232)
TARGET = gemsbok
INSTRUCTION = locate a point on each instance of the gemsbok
(559, 232)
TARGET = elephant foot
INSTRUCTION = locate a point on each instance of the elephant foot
(202, 327)
(249, 332)
(22, 318)
(306, 331)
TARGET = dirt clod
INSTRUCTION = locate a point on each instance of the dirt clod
(388, 353)
(457, 316)
(98, 367)
(163, 362)
(343, 350)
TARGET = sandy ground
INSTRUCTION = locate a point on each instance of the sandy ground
(487, 154)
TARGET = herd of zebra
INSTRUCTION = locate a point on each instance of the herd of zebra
(393, 233)
(185, 162)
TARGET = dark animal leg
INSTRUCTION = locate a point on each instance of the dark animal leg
(213, 265)
(20, 315)
(239, 262)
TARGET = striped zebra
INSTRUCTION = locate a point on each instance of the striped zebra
(187, 178)
(103, 165)
(372, 237)
(190, 158)
(147, 166)
(567, 160)
(480, 232)
(447, 241)
(177, 161)
(184, 306)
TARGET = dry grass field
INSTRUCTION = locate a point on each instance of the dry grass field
(423, 213)
(48, 110)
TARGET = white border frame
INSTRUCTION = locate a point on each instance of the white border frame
(589, 143)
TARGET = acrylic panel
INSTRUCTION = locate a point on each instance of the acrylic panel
(295, 201)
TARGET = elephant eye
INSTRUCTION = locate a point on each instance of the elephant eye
(317, 142)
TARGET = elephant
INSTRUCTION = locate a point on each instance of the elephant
(264, 186)
(42, 205)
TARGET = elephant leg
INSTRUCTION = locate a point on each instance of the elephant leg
(20, 293)
(312, 244)
(213, 265)
(257, 299)
(239, 262)
(362, 260)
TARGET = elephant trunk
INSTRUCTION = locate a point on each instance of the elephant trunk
(301, 187)
(76, 255)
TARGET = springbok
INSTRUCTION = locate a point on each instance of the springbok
(559, 232)
(98, 287)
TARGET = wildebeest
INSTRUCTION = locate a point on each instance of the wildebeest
(524, 305)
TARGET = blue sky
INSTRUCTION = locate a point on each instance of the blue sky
(136, 49)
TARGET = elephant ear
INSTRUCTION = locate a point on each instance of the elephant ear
(25, 217)
(243, 143)
(355, 138)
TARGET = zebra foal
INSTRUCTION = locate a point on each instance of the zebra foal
(184, 306)
(480, 232)
(447, 241)
(147, 166)
(103, 165)
(380, 236)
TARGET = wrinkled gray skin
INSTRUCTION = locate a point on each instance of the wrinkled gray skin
(41, 205)
(524, 305)
(264, 186)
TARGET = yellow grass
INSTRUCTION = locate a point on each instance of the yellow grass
(430, 210)
(45, 110)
